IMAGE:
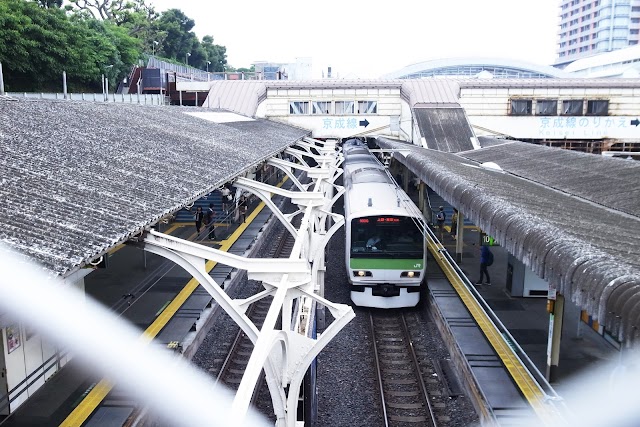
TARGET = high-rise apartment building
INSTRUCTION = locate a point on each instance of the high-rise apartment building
(590, 27)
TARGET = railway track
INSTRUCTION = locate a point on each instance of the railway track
(404, 395)
(236, 362)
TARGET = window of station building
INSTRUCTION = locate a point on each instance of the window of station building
(299, 107)
(321, 107)
(572, 107)
(546, 107)
(345, 107)
(598, 107)
(635, 8)
(633, 42)
(367, 107)
(521, 107)
(634, 31)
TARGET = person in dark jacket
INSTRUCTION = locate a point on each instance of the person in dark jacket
(486, 258)
(198, 218)
(210, 222)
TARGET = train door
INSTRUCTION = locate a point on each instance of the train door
(4, 389)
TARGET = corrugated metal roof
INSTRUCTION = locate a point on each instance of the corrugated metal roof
(609, 181)
(243, 96)
(587, 249)
(432, 91)
(444, 129)
(77, 178)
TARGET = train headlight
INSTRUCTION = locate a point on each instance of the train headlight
(362, 273)
(410, 274)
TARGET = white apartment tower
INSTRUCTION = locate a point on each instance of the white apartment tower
(590, 27)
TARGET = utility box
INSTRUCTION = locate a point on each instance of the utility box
(522, 282)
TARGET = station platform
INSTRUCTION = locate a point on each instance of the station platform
(124, 287)
(138, 286)
(581, 348)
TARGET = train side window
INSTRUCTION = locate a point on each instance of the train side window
(597, 107)
(299, 107)
(367, 107)
(572, 107)
(521, 107)
(344, 107)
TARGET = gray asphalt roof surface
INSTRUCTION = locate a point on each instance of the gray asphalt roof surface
(571, 217)
(77, 178)
(444, 129)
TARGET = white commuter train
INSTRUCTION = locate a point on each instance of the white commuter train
(385, 248)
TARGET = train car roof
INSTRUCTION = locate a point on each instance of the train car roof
(385, 199)
(363, 174)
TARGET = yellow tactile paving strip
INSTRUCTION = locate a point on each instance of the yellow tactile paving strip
(518, 372)
(93, 399)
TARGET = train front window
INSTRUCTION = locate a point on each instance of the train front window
(386, 236)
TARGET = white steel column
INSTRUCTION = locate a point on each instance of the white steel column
(284, 354)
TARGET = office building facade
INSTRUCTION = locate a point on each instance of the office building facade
(591, 27)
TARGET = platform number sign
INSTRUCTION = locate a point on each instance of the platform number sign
(486, 240)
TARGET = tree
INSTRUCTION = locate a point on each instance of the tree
(50, 3)
(116, 11)
(179, 39)
(37, 44)
(215, 53)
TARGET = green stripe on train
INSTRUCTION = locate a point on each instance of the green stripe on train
(385, 264)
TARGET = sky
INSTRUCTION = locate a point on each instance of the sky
(366, 39)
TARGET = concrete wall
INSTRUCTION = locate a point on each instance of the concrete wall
(27, 358)
(389, 110)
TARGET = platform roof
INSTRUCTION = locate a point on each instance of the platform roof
(573, 218)
(78, 178)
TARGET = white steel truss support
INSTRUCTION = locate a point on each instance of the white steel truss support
(328, 145)
(285, 354)
(297, 154)
(313, 173)
(288, 167)
(185, 254)
(264, 191)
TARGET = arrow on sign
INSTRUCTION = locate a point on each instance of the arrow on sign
(634, 122)
(365, 122)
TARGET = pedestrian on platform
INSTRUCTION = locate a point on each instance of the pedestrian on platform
(454, 224)
(440, 218)
(227, 198)
(486, 259)
(211, 214)
(242, 209)
(198, 217)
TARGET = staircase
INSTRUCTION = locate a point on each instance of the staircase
(184, 215)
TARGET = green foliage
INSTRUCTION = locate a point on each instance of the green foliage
(39, 39)
(37, 44)
(50, 3)
(179, 39)
(215, 53)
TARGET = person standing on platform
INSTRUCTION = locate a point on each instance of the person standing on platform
(486, 259)
(242, 209)
(226, 199)
(454, 223)
(440, 218)
(198, 218)
(211, 214)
